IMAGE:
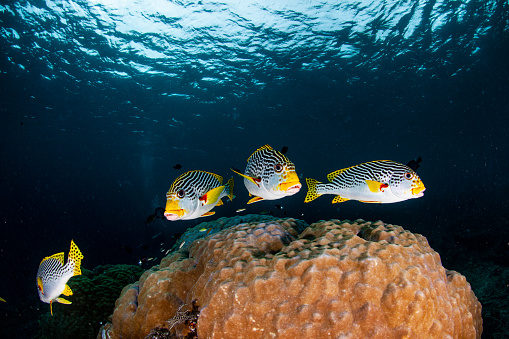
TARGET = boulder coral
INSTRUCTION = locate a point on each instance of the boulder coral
(338, 279)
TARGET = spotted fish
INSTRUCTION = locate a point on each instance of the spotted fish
(269, 175)
(381, 181)
(194, 193)
(53, 275)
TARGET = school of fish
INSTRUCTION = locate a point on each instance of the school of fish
(269, 175)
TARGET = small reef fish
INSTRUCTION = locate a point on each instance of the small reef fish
(240, 210)
(194, 193)
(269, 175)
(381, 181)
(53, 275)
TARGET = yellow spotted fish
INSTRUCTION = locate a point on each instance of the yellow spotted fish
(381, 181)
(53, 275)
(194, 193)
(269, 175)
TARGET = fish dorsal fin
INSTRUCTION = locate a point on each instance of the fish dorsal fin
(264, 147)
(208, 214)
(217, 176)
(219, 203)
(57, 256)
(76, 256)
(334, 174)
(255, 199)
(67, 290)
(339, 199)
(212, 196)
(376, 186)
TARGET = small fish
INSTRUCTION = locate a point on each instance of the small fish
(381, 181)
(414, 164)
(269, 175)
(240, 210)
(278, 207)
(53, 275)
(203, 229)
(182, 244)
(194, 193)
(177, 166)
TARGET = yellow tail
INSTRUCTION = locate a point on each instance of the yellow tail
(229, 188)
(312, 190)
(76, 256)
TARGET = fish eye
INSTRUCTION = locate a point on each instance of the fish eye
(278, 168)
(409, 175)
(181, 194)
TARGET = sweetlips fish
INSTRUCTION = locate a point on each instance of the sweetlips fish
(194, 193)
(53, 275)
(381, 181)
(269, 175)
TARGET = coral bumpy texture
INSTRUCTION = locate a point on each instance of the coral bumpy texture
(337, 278)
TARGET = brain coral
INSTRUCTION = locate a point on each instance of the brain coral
(337, 279)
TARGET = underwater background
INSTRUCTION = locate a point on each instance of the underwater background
(100, 100)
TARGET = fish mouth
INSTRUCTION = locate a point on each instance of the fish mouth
(418, 191)
(290, 187)
(174, 214)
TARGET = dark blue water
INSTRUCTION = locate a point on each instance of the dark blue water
(100, 99)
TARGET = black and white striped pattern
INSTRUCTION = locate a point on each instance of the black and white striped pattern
(194, 184)
(384, 171)
(261, 164)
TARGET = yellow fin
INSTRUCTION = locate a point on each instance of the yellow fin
(255, 199)
(67, 290)
(264, 147)
(63, 301)
(219, 203)
(312, 190)
(253, 180)
(229, 187)
(370, 202)
(58, 256)
(338, 199)
(2, 299)
(76, 256)
(39, 284)
(208, 214)
(211, 196)
(375, 186)
(334, 174)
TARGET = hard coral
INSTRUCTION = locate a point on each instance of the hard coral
(336, 279)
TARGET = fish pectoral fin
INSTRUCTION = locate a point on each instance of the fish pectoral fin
(219, 202)
(208, 214)
(67, 290)
(212, 196)
(63, 301)
(252, 179)
(255, 199)
(376, 186)
(339, 199)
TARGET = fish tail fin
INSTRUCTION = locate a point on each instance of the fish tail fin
(75, 257)
(228, 189)
(312, 193)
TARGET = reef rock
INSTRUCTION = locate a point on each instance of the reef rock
(338, 279)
